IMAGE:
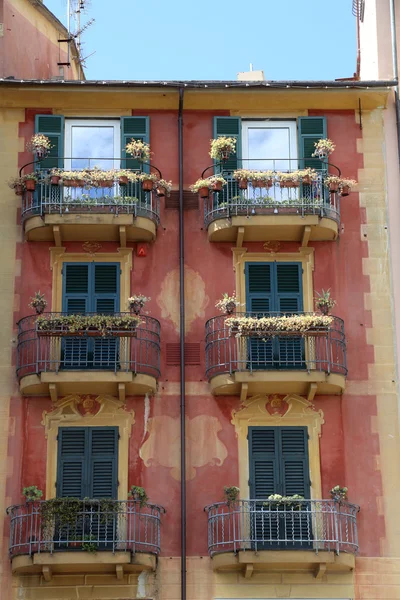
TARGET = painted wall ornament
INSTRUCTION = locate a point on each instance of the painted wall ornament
(272, 246)
(277, 405)
(162, 447)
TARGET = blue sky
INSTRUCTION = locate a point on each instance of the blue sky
(181, 39)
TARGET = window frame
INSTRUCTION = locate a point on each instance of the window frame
(70, 123)
(270, 124)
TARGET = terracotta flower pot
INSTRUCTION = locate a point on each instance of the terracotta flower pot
(204, 192)
(123, 180)
(258, 183)
(136, 307)
(106, 183)
(161, 191)
(217, 186)
(30, 184)
(225, 153)
(283, 184)
(147, 185)
(41, 152)
(269, 183)
(243, 184)
(333, 186)
(345, 190)
(54, 179)
(324, 309)
(307, 180)
(230, 307)
(39, 309)
(19, 189)
(292, 183)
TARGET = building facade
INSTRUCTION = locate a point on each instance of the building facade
(91, 414)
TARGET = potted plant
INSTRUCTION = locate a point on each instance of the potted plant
(217, 182)
(231, 493)
(323, 148)
(292, 325)
(222, 147)
(307, 176)
(55, 176)
(280, 502)
(136, 303)
(39, 144)
(163, 187)
(262, 179)
(332, 182)
(227, 304)
(346, 185)
(88, 325)
(32, 493)
(123, 176)
(100, 178)
(202, 187)
(138, 494)
(149, 181)
(139, 150)
(242, 176)
(30, 180)
(16, 184)
(289, 180)
(76, 178)
(324, 302)
(38, 302)
(339, 493)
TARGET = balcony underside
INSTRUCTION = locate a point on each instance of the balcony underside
(305, 561)
(50, 564)
(259, 228)
(87, 382)
(278, 382)
(90, 227)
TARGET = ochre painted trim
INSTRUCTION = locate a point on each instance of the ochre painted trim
(67, 414)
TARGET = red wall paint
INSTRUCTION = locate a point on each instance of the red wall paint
(37, 58)
(348, 446)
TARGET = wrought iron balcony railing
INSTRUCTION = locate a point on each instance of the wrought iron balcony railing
(227, 353)
(115, 198)
(318, 525)
(116, 351)
(117, 526)
(312, 198)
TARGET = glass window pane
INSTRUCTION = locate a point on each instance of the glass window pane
(271, 145)
(92, 146)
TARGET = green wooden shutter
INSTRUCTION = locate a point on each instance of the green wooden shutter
(230, 127)
(72, 462)
(259, 299)
(294, 461)
(105, 300)
(103, 462)
(311, 129)
(289, 299)
(137, 128)
(53, 127)
(264, 462)
(76, 299)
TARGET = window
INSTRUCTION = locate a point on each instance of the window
(90, 287)
(87, 462)
(274, 288)
(92, 143)
(269, 145)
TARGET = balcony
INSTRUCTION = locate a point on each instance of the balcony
(64, 212)
(117, 362)
(307, 364)
(301, 214)
(315, 536)
(107, 536)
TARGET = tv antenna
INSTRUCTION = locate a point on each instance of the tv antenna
(75, 8)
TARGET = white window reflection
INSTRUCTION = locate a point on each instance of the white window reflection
(92, 143)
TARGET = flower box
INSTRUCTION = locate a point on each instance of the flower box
(90, 332)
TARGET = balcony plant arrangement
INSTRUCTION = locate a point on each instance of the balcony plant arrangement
(17, 184)
(40, 145)
(139, 150)
(87, 325)
(346, 186)
(149, 181)
(231, 493)
(324, 302)
(338, 493)
(201, 187)
(222, 147)
(289, 180)
(227, 304)
(163, 188)
(99, 178)
(55, 176)
(323, 148)
(32, 493)
(124, 176)
(217, 183)
(332, 182)
(307, 176)
(291, 325)
(30, 180)
(243, 176)
(278, 502)
(137, 302)
(262, 179)
(38, 302)
(138, 494)
(75, 178)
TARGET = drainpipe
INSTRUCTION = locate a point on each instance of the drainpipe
(395, 70)
(182, 348)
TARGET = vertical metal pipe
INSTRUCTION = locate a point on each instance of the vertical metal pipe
(395, 70)
(182, 348)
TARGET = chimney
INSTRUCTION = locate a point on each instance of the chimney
(251, 75)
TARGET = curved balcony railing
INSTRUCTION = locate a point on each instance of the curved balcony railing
(319, 525)
(112, 525)
(63, 198)
(227, 353)
(306, 199)
(89, 350)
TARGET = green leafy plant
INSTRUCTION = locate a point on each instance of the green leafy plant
(227, 304)
(294, 501)
(164, 186)
(231, 493)
(76, 323)
(137, 302)
(139, 494)
(339, 493)
(38, 302)
(323, 148)
(222, 147)
(262, 326)
(38, 143)
(88, 544)
(14, 182)
(200, 184)
(32, 493)
(324, 302)
(30, 176)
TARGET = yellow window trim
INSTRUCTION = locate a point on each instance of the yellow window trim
(72, 411)
(58, 256)
(305, 256)
(278, 411)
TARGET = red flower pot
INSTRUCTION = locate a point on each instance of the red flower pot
(258, 183)
(30, 184)
(243, 184)
(345, 190)
(106, 183)
(19, 188)
(54, 179)
(204, 192)
(161, 191)
(123, 180)
(147, 185)
(217, 186)
(283, 184)
(307, 180)
(333, 186)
